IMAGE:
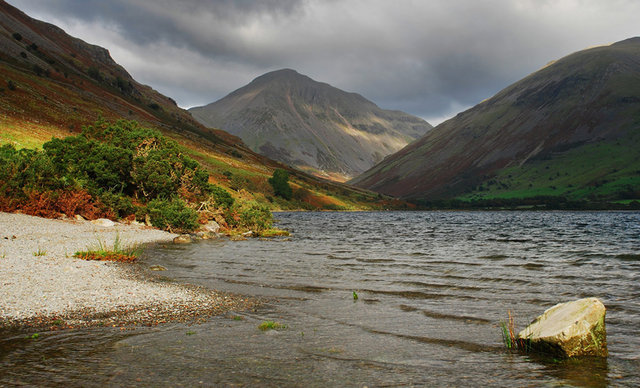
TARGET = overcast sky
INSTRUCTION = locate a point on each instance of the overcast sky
(431, 58)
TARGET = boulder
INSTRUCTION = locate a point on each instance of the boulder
(182, 239)
(209, 230)
(103, 222)
(569, 329)
(157, 268)
(211, 227)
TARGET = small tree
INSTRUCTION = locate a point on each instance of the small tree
(280, 183)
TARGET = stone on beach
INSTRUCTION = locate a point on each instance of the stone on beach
(569, 329)
(182, 239)
(103, 222)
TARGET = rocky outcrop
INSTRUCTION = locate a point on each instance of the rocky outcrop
(569, 329)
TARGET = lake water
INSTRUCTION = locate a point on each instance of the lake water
(432, 289)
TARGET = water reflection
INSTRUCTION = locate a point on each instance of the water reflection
(581, 372)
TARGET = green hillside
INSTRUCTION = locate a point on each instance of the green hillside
(53, 85)
(567, 133)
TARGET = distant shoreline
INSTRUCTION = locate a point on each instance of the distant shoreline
(43, 285)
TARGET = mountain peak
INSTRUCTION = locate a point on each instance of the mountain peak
(311, 125)
(281, 73)
(283, 76)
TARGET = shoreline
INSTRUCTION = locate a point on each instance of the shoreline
(43, 286)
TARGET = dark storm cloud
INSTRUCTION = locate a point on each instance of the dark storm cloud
(429, 58)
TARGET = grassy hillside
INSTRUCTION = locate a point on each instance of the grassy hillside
(53, 85)
(607, 170)
(568, 132)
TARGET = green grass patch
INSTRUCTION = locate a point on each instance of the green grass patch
(601, 171)
(274, 233)
(117, 252)
(271, 325)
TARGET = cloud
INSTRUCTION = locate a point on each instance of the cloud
(426, 58)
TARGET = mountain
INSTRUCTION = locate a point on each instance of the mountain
(570, 130)
(53, 84)
(313, 126)
(51, 77)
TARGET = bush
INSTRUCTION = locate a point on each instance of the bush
(116, 170)
(25, 169)
(250, 215)
(173, 215)
(95, 165)
(256, 217)
(280, 183)
(221, 197)
(121, 205)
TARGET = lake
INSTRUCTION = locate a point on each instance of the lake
(432, 289)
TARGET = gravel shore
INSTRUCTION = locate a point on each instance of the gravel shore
(42, 284)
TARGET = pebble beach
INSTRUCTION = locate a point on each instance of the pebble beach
(42, 284)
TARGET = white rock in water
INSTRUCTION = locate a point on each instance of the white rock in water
(569, 329)
(103, 222)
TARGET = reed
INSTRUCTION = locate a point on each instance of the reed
(509, 338)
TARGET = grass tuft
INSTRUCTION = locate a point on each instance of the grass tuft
(271, 325)
(119, 252)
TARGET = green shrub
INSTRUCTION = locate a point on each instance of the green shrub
(124, 157)
(108, 165)
(25, 169)
(121, 205)
(256, 217)
(249, 215)
(221, 197)
(280, 183)
(173, 215)
(95, 165)
(152, 175)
